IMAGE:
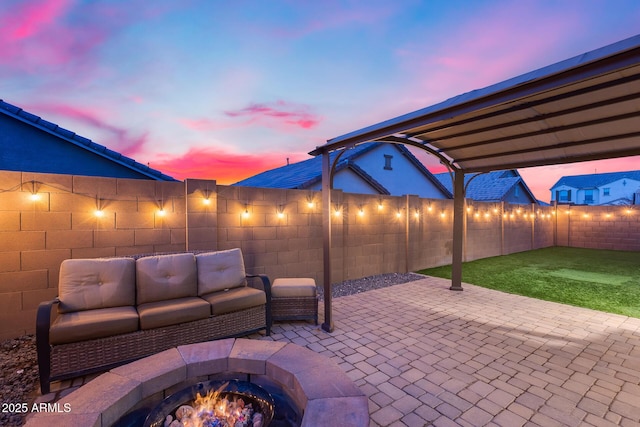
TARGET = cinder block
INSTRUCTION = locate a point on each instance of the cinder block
(48, 182)
(45, 259)
(89, 220)
(23, 280)
(21, 240)
(253, 246)
(10, 302)
(152, 237)
(170, 189)
(178, 235)
(69, 239)
(10, 179)
(114, 238)
(136, 187)
(17, 323)
(93, 252)
(10, 261)
(264, 233)
(21, 201)
(65, 202)
(35, 221)
(10, 221)
(93, 185)
(130, 220)
(228, 220)
(202, 219)
(31, 299)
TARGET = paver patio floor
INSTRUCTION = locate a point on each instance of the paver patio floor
(428, 356)
(425, 355)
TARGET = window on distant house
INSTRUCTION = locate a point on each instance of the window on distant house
(606, 191)
(588, 196)
(564, 196)
(387, 161)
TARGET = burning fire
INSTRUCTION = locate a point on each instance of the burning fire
(214, 410)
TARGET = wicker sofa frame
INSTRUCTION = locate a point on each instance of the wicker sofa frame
(69, 360)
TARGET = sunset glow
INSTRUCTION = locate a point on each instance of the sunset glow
(225, 90)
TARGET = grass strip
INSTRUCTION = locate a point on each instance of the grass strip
(602, 280)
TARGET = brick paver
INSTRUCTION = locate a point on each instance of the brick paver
(428, 356)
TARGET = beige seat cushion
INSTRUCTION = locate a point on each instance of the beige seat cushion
(221, 270)
(166, 277)
(293, 287)
(88, 284)
(90, 324)
(235, 299)
(172, 312)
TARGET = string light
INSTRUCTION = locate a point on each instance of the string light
(99, 213)
(34, 197)
(206, 201)
(161, 212)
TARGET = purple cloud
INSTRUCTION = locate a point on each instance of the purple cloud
(278, 114)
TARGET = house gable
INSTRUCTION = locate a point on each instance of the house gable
(31, 144)
(373, 168)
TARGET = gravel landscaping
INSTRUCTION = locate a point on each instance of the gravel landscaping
(19, 367)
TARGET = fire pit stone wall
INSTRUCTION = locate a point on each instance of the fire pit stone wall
(323, 393)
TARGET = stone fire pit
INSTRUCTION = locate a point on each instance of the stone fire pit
(322, 392)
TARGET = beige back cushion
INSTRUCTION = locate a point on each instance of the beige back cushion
(166, 277)
(87, 284)
(221, 270)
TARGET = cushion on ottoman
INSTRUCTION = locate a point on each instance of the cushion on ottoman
(172, 312)
(293, 287)
(89, 324)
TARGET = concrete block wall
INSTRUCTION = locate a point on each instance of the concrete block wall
(47, 218)
(279, 231)
(600, 227)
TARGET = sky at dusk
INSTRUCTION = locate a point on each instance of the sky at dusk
(227, 89)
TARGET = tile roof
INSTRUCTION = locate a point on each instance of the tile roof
(80, 141)
(595, 180)
(486, 187)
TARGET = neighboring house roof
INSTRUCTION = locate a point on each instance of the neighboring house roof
(595, 180)
(307, 173)
(490, 186)
(80, 141)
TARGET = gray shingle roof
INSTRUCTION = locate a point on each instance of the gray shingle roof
(486, 187)
(309, 172)
(595, 180)
(80, 141)
(301, 174)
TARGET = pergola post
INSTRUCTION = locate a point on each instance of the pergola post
(459, 214)
(326, 243)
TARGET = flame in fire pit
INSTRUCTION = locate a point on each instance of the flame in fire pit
(215, 404)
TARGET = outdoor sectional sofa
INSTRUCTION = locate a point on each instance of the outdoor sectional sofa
(111, 311)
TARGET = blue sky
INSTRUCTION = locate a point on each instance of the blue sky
(223, 90)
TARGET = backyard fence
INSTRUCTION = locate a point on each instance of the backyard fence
(46, 218)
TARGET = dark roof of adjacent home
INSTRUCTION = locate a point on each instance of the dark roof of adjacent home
(595, 180)
(80, 141)
(488, 187)
(306, 173)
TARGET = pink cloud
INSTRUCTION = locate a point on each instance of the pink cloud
(226, 167)
(115, 138)
(278, 114)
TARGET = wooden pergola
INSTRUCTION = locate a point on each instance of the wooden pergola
(583, 108)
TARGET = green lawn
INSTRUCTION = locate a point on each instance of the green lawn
(598, 279)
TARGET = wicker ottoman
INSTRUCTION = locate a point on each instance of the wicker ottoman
(294, 299)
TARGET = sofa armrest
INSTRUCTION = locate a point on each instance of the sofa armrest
(43, 323)
(266, 286)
